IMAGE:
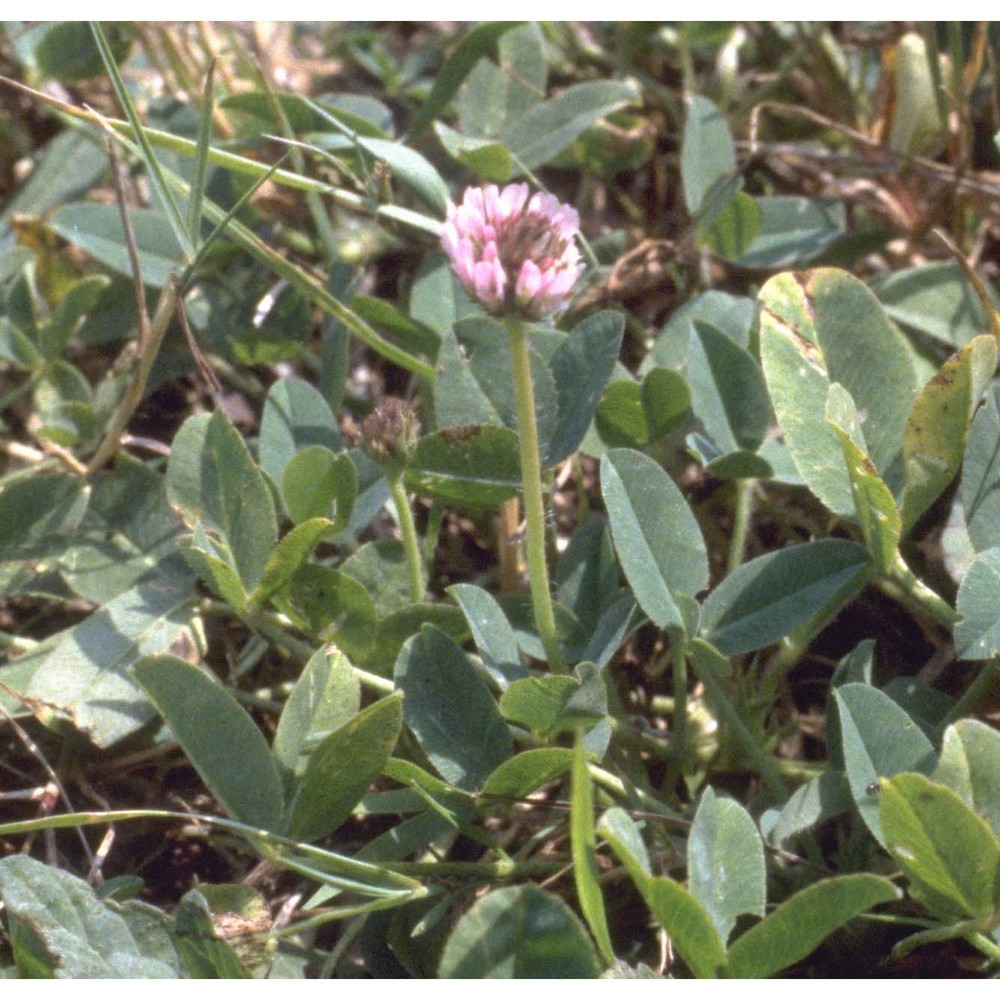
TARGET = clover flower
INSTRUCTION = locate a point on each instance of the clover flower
(512, 253)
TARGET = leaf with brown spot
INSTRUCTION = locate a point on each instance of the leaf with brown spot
(938, 427)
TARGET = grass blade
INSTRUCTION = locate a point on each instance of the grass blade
(201, 157)
(177, 222)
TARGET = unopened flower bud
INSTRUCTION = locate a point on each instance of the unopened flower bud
(389, 435)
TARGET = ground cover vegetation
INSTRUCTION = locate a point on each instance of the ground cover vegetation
(499, 500)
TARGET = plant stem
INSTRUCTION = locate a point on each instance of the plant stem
(919, 596)
(133, 395)
(967, 703)
(757, 757)
(534, 511)
(411, 544)
(741, 521)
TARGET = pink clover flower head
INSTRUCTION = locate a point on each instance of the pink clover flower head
(514, 252)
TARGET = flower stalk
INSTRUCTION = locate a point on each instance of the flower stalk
(534, 508)
(411, 544)
(515, 253)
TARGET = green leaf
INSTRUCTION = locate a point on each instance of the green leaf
(295, 417)
(769, 597)
(303, 114)
(205, 955)
(550, 126)
(691, 929)
(212, 479)
(463, 387)
(917, 129)
(666, 400)
(621, 418)
(796, 377)
(213, 562)
(491, 631)
(587, 576)
(61, 930)
(450, 710)
(797, 927)
(865, 353)
(326, 696)
(218, 736)
(935, 299)
(519, 776)
(583, 846)
(68, 53)
(876, 511)
(977, 634)
(33, 510)
(50, 184)
(936, 432)
(830, 328)
(734, 315)
(341, 769)
(656, 536)
(817, 800)
(412, 169)
(72, 308)
(86, 674)
(878, 740)
(131, 532)
(380, 566)
(949, 854)
(549, 704)
(793, 229)
(622, 833)
(731, 232)
(409, 332)
(479, 389)
(725, 858)
(290, 554)
(708, 156)
(98, 230)
(473, 466)
(728, 393)
(16, 348)
(437, 299)
(470, 48)
(488, 159)
(519, 932)
(980, 485)
(330, 598)
(581, 367)
(970, 767)
(317, 483)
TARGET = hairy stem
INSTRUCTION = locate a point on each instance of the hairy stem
(411, 544)
(534, 510)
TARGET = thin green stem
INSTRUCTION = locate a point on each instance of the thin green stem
(486, 871)
(986, 945)
(966, 705)
(144, 366)
(755, 753)
(270, 626)
(919, 596)
(679, 711)
(411, 544)
(741, 522)
(635, 795)
(534, 510)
